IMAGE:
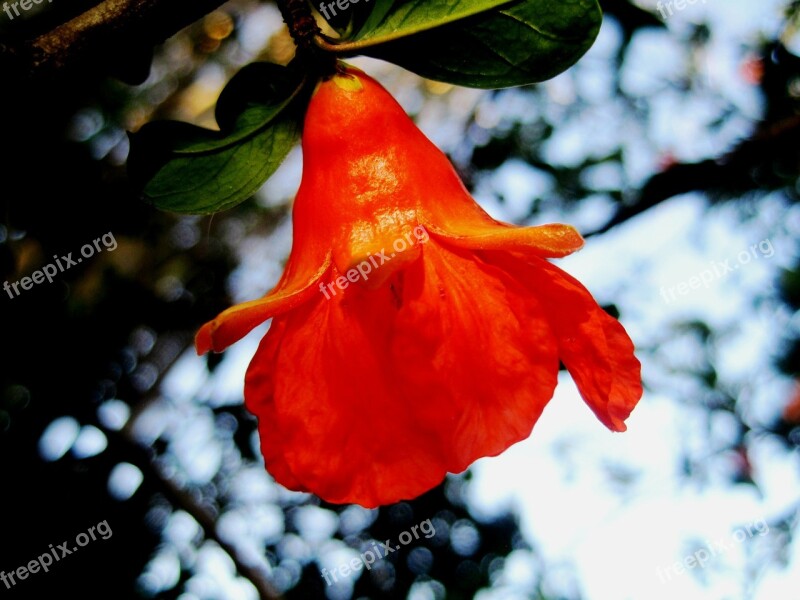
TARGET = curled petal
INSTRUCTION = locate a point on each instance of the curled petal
(547, 241)
(233, 324)
(593, 346)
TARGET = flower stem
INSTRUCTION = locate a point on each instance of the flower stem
(304, 29)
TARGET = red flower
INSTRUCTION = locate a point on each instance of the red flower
(411, 333)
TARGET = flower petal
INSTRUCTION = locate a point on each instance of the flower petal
(330, 417)
(478, 342)
(233, 324)
(260, 377)
(594, 346)
(377, 393)
(548, 241)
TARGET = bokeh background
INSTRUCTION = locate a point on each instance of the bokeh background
(673, 147)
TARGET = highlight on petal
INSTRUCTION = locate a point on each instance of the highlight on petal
(547, 241)
(593, 346)
(234, 323)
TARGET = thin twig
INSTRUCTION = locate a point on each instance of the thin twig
(185, 501)
(178, 496)
(111, 28)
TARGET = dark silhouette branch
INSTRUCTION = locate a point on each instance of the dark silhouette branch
(169, 351)
(769, 160)
(204, 515)
(111, 31)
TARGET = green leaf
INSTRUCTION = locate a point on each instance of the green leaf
(525, 42)
(187, 169)
(393, 19)
(221, 179)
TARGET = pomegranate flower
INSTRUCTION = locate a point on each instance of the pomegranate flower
(388, 365)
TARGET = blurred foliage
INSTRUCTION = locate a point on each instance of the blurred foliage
(98, 344)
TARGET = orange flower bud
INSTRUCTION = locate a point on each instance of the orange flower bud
(412, 334)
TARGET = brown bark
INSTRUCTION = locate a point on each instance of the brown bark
(110, 30)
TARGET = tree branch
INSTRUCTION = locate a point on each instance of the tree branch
(105, 33)
(165, 357)
(187, 502)
(769, 160)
